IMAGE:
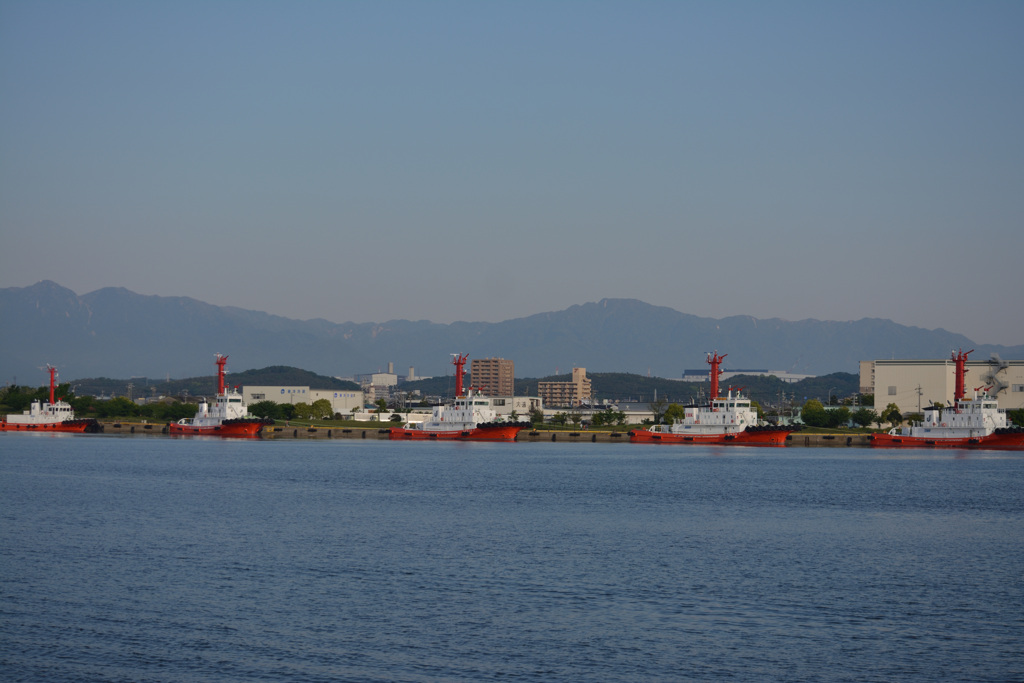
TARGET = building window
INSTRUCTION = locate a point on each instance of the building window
(498, 401)
(1018, 387)
(892, 390)
(258, 397)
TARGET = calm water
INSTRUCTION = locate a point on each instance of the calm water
(148, 559)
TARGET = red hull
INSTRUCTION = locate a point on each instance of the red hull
(248, 430)
(764, 437)
(76, 426)
(489, 433)
(1013, 441)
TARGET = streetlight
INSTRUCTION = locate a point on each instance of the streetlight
(830, 395)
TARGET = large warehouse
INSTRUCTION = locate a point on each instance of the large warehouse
(915, 384)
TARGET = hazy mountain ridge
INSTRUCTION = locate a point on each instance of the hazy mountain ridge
(114, 332)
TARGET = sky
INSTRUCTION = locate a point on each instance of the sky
(482, 161)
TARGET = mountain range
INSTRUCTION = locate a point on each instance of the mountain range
(114, 332)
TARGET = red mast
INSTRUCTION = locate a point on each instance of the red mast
(960, 358)
(459, 361)
(221, 362)
(53, 381)
(715, 361)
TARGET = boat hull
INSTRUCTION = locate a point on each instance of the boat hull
(1010, 439)
(748, 437)
(249, 429)
(80, 426)
(501, 432)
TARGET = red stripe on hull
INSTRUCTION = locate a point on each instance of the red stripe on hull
(504, 433)
(239, 430)
(48, 427)
(993, 441)
(759, 438)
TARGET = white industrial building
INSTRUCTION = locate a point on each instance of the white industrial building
(916, 384)
(342, 400)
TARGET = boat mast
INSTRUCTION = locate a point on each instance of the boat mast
(960, 359)
(715, 361)
(459, 361)
(221, 362)
(53, 380)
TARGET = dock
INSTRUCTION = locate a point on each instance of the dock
(797, 439)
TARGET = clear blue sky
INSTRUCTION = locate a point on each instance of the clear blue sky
(480, 161)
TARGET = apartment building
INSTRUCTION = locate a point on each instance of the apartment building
(493, 376)
(572, 393)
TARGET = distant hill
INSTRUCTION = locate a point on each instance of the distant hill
(114, 332)
(207, 385)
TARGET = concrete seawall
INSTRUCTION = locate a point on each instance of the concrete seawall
(797, 439)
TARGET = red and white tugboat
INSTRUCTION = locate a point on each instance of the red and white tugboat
(970, 423)
(469, 418)
(229, 416)
(55, 416)
(728, 420)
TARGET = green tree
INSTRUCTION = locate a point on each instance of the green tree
(16, 399)
(321, 409)
(1016, 416)
(757, 408)
(839, 417)
(266, 409)
(537, 416)
(658, 408)
(674, 413)
(172, 412)
(83, 405)
(863, 416)
(892, 415)
(382, 405)
(303, 411)
(117, 407)
(813, 413)
(559, 419)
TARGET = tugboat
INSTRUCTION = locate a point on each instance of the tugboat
(55, 416)
(469, 418)
(229, 416)
(728, 420)
(970, 423)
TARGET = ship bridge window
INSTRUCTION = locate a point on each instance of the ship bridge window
(235, 400)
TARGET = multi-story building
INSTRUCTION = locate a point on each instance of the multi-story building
(572, 393)
(916, 384)
(493, 376)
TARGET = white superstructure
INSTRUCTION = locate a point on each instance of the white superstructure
(40, 413)
(465, 413)
(971, 418)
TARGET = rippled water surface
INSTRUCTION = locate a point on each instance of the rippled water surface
(151, 559)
